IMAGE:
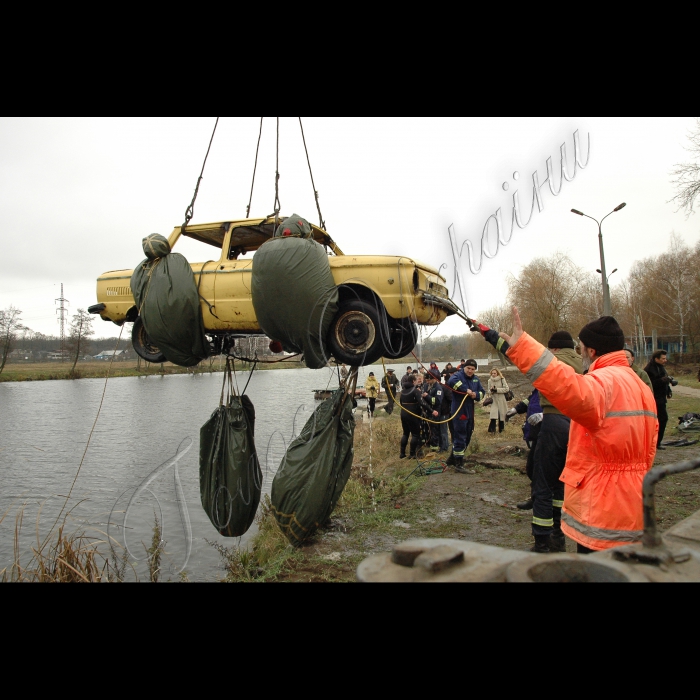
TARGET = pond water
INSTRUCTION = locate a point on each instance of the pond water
(144, 424)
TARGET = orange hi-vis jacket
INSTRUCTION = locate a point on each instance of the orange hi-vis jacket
(612, 445)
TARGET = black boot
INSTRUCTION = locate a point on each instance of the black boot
(527, 505)
(501, 427)
(459, 465)
(558, 542)
(404, 445)
(492, 427)
(451, 459)
(543, 545)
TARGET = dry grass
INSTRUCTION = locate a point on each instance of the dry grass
(77, 557)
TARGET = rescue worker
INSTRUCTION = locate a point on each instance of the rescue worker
(390, 384)
(631, 359)
(464, 383)
(532, 410)
(445, 416)
(614, 432)
(412, 405)
(549, 458)
(373, 389)
(434, 397)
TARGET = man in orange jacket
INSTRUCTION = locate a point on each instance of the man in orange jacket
(614, 432)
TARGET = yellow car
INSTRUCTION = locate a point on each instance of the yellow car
(382, 298)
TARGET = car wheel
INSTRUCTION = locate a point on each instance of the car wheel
(402, 340)
(355, 337)
(144, 346)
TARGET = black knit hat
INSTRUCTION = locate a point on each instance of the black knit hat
(604, 336)
(471, 363)
(561, 341)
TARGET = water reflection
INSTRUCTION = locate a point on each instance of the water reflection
(44, 428)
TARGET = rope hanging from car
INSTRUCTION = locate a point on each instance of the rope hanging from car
(255, 169)
(322, 223)
(189, 213)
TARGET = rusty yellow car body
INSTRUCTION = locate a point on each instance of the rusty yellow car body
(408, 290)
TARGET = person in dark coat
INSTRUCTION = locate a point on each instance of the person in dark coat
(412, 405)
(390, 384)
(435, 397)
(661, 384)
(532, 410)
(464, 383)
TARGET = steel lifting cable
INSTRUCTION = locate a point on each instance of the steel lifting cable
(255, 169)
(322, 223)
(189, 214)
(278, 205)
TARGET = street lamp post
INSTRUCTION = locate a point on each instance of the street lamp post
(607, 303)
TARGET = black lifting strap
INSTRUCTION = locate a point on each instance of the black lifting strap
(189, 214)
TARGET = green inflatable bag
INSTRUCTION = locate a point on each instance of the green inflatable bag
(294, 293)
(315, 470)
(230, 477)
(168, 301)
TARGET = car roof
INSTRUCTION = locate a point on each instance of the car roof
(248, 234)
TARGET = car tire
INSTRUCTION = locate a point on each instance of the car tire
(402, 340)
(144, 346)
(355, 338)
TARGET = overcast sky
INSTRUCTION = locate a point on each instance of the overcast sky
(77, 194)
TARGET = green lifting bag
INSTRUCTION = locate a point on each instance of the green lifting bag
(169, 305)
(294, 294)
(315, 470)
(229, 470)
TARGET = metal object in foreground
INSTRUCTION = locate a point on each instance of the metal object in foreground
(671, 558)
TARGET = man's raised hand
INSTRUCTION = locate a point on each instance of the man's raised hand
(517, 329)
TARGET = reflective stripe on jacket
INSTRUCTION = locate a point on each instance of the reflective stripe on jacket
(612, 446)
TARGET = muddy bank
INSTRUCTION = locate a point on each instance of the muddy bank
(384, 504)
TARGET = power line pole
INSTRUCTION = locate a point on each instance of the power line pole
(62, 312)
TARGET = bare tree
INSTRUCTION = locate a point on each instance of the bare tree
(10, 326)
(686, 176)
(80, 332)
(548, 293)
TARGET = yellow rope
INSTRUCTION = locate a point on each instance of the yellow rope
(427, 420)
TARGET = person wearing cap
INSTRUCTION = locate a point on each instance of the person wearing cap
(549, 458)
(390, 384)
(631, 359)
(614, 432)
(467, 390)
(373, 390)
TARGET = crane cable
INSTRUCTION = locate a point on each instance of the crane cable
(278, 205)
(322, 223)
(255, 169)
(189, 213)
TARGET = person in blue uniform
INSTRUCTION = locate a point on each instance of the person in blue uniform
(464, 383)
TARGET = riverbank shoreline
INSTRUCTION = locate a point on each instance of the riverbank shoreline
(101, 370)
(387, 501)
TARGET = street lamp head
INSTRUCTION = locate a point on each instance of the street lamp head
(600, 272)
(622, 206)
(613, 272)
(576, 211)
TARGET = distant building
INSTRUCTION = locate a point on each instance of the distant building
(118, 356)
